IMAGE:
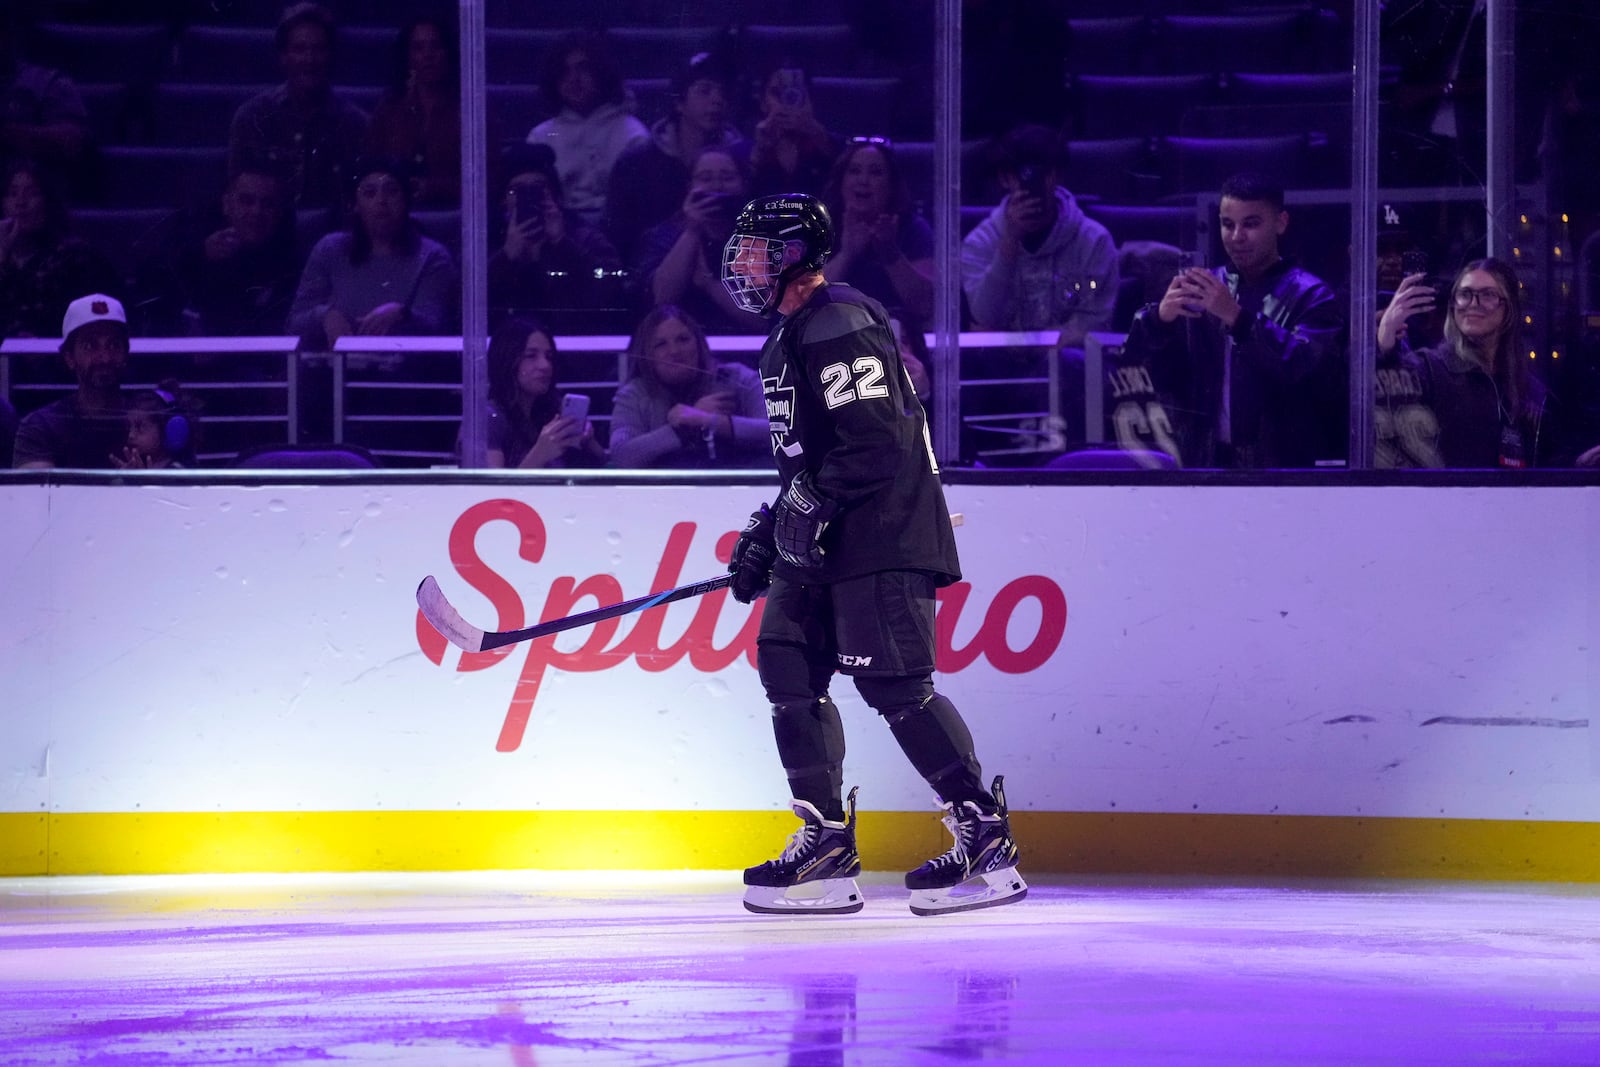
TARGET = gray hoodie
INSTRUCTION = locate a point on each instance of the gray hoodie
(1069, 282)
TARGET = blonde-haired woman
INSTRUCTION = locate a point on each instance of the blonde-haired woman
(1488, 409)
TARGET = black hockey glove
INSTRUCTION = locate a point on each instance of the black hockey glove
(802, 515)
(751, 563)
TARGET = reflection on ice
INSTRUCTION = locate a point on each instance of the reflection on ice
(527, 968)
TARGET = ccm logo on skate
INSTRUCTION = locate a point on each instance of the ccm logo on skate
(608, 645)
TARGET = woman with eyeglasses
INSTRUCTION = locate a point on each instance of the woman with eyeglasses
(1470, 400)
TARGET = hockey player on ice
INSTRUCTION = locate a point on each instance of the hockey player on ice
(850, 556)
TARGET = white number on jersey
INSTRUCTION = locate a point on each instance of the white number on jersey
(1141, 426)
(1408, 436)
(840, 386)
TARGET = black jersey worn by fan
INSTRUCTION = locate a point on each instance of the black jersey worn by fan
(1142, 409)
(842, 408)
(1405, 424)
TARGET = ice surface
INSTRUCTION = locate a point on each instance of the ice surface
(532, 968)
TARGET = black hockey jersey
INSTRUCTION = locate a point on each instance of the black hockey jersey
(841, 407)
(1406, 426)
(1143, 411)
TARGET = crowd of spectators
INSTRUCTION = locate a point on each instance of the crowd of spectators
(333, 211)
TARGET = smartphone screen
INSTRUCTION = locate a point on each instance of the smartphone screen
(528, 203)
(575, 406)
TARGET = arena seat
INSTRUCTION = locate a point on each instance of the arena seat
(443, 225)
(125, 236)
(306, 456)
(127, 55)
(652, 97)
(111, 109)
(560, 14)
(1108, 45)
(659, 51)
(855, 106)
(1144, 105)
(213, 54)
(1118, 169)
(146, 176)
(515, 109)
(819, 49)
(915, 159)
(1111, 459)
(512, 56)
(223, 54)
(1319, 87)
(1200, 164)
(1170, 224)
(1257, 41)
(312, 224)
(196, 114)
(972, 214)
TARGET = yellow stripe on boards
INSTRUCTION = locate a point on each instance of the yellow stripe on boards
(24, 842)
(1052, 843)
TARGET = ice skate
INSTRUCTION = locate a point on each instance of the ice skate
(816, 875)
(979, 871)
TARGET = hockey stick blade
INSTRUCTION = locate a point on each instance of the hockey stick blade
(442, 616)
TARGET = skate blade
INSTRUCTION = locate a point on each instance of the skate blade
(830, 896)
(999, 887)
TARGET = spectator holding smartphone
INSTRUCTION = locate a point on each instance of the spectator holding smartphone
(649, 180)
(678, 407)
(1472, 400)
(1038, 262)
(791, 152)
(680, 260)
(1254, 353)
(527, 427)
(547, 257)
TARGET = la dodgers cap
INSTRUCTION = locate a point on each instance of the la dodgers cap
(96, 307)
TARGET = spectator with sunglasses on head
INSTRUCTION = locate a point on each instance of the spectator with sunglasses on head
(1470, 400)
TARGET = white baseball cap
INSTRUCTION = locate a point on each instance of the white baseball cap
(96, 307)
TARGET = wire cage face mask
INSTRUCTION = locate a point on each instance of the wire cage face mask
(751, 269)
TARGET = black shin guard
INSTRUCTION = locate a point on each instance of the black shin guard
(810, 740)
(933, 736)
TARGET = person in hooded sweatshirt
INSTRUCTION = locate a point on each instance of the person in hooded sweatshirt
(593, 128)
(1037, 262)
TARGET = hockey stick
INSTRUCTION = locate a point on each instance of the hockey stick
(443, 616)
(448, 621)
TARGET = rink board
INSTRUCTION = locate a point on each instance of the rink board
(1293, 679)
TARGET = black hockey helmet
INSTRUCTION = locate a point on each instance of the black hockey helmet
(774, 238)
